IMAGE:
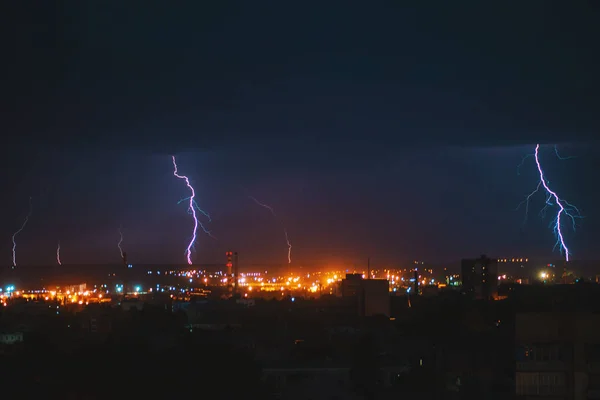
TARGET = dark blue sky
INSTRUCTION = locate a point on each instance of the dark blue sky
(412, 202)
(386, 131)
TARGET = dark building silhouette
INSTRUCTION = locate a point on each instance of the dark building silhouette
(558, 355)
(351, 285)
(416, 281)
(480, 277)
(372, 295)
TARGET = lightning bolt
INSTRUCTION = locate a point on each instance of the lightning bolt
(287, 239)
(192, 202)
(196, 206)
(268, 207)
(558, 155)
(523, 162)
(58, 254)
(528, 200)
(201, 211)
(565, 209)
(120, 241)
(14, 248)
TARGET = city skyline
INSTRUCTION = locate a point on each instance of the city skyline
(319, 199)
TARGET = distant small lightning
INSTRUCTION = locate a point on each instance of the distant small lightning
(14, 248)
(287, 239)
(58, 254)
(192, 203)
(559, 156)
(289, 244)
(565, 209)
(268, 207)
(120, 241)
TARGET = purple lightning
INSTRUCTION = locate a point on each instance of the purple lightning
(191, 207)
(120, 241)
(14, 248)
(287, 239)
(564, 208)
(58, 254)
(207, 215)
(268, 207)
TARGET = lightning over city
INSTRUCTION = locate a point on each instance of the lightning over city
(14, 236)
(287, 239)
(564, 208)
(317, 202)
(58, 254)
(192, 208)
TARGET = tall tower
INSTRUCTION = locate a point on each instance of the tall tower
(236, 273)
(416, 283)
(125, 274)
(229, 266)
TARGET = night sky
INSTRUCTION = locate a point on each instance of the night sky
(377, 130)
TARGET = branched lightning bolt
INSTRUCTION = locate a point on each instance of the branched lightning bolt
(558, 155)
(192, 202)
(201, 211)
(14, 248)
(287, 239)
(526, 202)
(120, 241)
(565, 209)
(196, 206)
(522, 163)
(58, 254)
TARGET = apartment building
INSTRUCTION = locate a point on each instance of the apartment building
(558, 355)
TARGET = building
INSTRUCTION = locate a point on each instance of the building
(480, 277)
(519, 261)
(375, 298)
(132, 304)
(80, 288)
(9, 338)
(325, 382)
(372, 295)
(351, 285)
(558, 355)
